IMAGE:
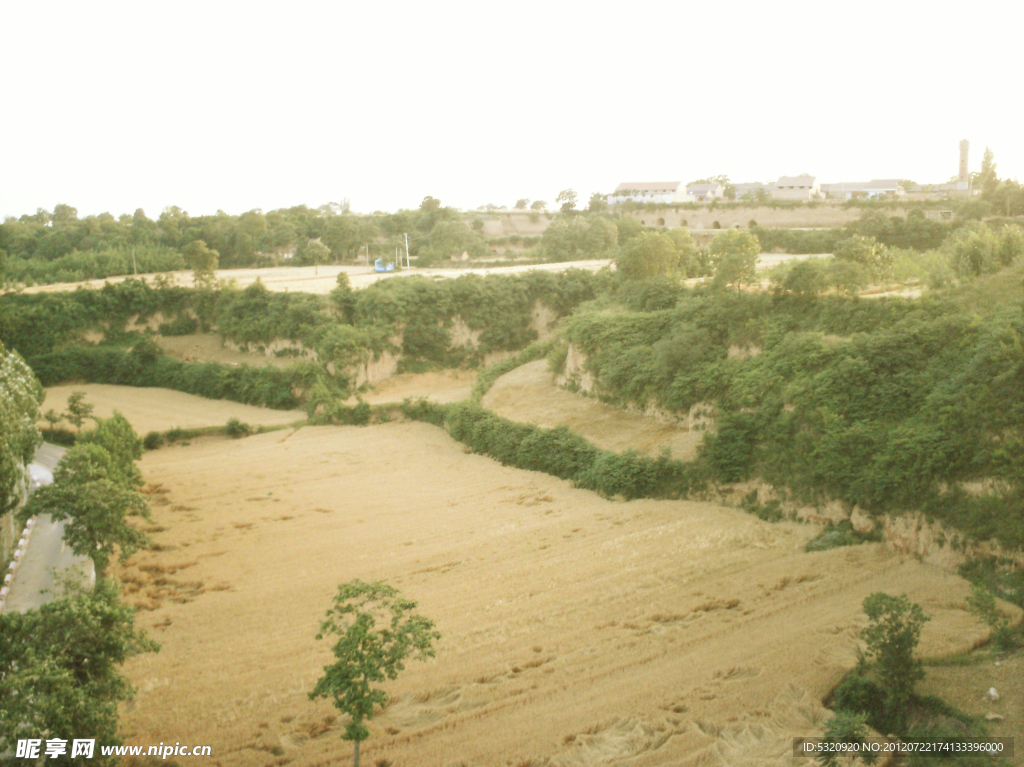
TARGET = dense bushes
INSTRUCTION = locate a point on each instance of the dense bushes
(422, 314)
(267, 386)
(891, 405)
(561, 453)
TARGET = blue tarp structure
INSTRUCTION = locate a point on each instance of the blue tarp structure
(380, 266)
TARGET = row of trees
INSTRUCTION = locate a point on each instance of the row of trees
(47, 246)
(59, 664)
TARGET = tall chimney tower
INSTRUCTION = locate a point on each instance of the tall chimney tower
(963, 178)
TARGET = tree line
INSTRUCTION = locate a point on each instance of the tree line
(60, 663)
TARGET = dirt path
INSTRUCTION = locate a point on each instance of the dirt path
(576, 630)
(529, 394)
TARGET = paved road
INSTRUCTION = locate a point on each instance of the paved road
(46, 552)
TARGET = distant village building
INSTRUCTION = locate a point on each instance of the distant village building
(874, 189)
(751, 191)
(648, 191)
(796, 188)
(704, 192)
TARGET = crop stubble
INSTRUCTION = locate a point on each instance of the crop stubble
(576, 630)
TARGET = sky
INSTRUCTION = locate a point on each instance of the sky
(109, 107)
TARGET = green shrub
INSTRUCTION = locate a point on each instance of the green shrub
(152, 440)
(842, 534)
(729, 451)
(237, 429)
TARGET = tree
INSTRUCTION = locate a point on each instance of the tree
(377, 631)
(573, 238)
(567, 198)
(628, 227)
(89, 492)
(806, 278)
(847, 276)
(59, 667)
(430, 203)
(891, 636)
(651, 254)
(316, 252)
(522, 202)
(974, 249)
(598, 203)
(734, 258)
(20, 397)
(202, 260)
(78, 409)
(538, 205)
(986, 180)
(118, 438)
(1011, 244)
(868, 252)
(52, 418)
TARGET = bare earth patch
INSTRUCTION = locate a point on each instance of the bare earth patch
(529, 394)
(208, 347)
(441, 386)
(576, 630)
(155, 409)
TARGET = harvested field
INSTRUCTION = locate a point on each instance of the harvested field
(529, 394)
(439, 386)
(323, 280)
(576, 630)
(208, 347)
(965, 686)
(154, 409)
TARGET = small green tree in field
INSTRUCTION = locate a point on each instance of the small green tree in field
(892, 636)
(53, 419)
(203, 261)
(377, 630)
(316, 252)
(78, 409)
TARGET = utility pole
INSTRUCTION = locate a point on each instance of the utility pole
(407, 238)
(367, 254)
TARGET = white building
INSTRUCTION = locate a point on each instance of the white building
(879, 187)
(751, 191)
(796, 188)
(704, 192)
(648, 191)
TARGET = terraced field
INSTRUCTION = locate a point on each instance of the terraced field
(576, 630)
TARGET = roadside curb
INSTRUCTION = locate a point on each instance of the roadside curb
(19, 554)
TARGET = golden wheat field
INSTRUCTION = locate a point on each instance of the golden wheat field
(154, 409)
(575, 630)
(529, 394)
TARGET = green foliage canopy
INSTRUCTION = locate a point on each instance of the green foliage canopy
(377, 632)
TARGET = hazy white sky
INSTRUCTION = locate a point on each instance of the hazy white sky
(241, 105)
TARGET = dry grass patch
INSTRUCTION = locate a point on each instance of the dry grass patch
(154, 409)
(528, 394)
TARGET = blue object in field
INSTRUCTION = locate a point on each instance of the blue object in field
(380, 266)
